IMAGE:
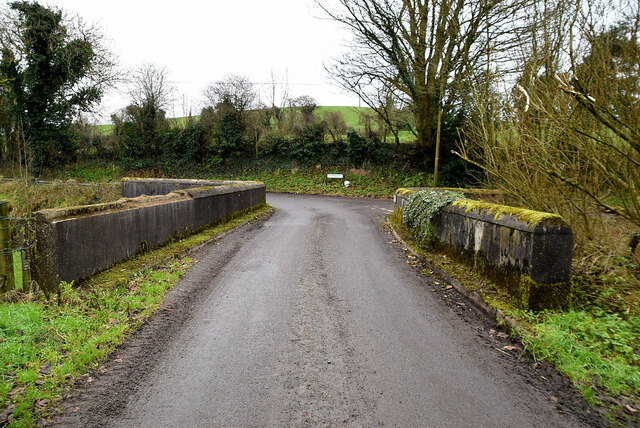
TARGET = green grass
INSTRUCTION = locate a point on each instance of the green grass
(350, 114)
(593, 349)
(106, 129)
(352, 117)
(377, 182)
(93, 173)
(45, 345)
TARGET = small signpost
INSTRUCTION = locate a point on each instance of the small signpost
(340, 177)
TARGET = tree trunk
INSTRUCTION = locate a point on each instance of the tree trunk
(425, 112)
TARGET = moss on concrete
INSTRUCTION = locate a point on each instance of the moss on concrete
(527, 216)
(474, 191)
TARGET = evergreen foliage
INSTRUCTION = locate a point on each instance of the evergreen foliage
(423, 206)
(51, 71)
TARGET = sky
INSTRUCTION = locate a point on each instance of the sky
(200, 42)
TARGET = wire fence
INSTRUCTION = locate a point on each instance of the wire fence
(15, 251)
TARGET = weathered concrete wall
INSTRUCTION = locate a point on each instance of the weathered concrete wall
(532, 259)
(133, 187)
(73, 243)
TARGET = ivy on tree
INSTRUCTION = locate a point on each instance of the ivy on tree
(53, 69)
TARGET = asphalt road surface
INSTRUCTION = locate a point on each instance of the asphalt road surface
(312, 318)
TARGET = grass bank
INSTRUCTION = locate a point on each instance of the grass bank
(46, 344)
(593, 346)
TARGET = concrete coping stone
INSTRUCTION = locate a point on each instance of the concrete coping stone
(239, 186)
(194, 182)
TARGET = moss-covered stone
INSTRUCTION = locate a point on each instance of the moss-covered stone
(527, 216)
(524, 252)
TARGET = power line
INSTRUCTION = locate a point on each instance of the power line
(176, 82)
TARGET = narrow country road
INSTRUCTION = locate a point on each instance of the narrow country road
(312, 318)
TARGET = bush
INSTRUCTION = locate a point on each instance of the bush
(230, 134)
(358, 148)
(184, 145)
(275, 145)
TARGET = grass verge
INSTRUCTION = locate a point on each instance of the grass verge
(596, 349)
(45, 344)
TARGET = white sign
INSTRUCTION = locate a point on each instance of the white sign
(335, 175)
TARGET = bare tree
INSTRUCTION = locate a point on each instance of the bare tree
(277, 90)
(418, 49)
(571, 143)
(237, 90)
(307, 106)
(336, 126)
(150, 95)
(149, 87)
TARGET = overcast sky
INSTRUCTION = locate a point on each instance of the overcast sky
(200, 42)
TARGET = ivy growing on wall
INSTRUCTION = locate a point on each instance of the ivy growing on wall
(421, 207)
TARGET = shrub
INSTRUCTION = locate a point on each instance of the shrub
(230, 134)
(183, 144)
(358, 148)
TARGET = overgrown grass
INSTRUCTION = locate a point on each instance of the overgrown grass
(46, 344)
(26, 197)
(595, 348)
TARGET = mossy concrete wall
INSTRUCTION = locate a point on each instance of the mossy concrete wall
(531, 258)
(73, 243)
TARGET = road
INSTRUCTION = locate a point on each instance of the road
(312, 318)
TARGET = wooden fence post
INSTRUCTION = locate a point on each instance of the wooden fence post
(7, 282)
